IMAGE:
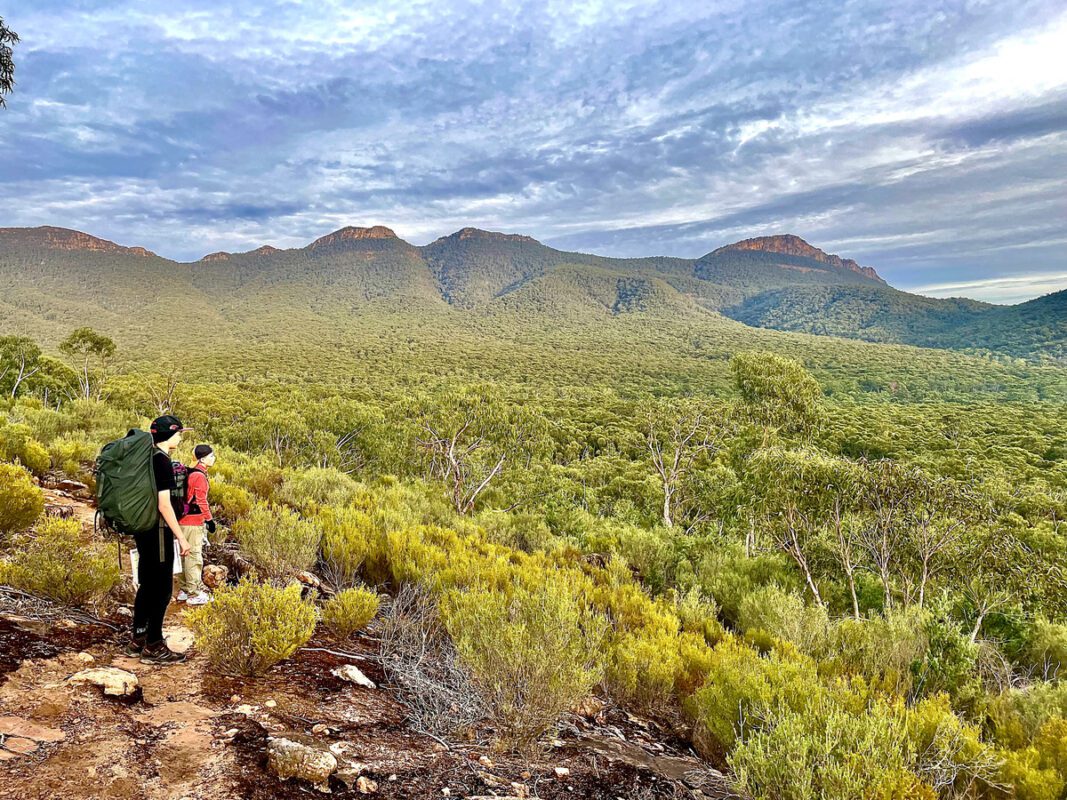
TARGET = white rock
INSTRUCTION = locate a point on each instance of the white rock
(293, 758)
(85, 658)
(561, 772)
(352, 673)
(115, 682)
(365, 785)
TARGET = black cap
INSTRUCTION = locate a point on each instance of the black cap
(165, 427)
(202, 451)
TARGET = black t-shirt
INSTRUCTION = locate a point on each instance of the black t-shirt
(164, 470)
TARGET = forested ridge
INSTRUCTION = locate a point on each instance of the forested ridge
(800, 550)
(49, 275)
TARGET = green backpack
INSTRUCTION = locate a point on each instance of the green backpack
(126, 484)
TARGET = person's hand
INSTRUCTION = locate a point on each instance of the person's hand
(183, 546)
(210, 525)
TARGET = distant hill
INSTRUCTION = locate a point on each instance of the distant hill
(52, 278)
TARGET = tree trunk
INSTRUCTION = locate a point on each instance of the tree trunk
(667, 506)
(977, 627)
(852, 592)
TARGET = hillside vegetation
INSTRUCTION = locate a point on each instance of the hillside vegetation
(48, 276)
(840, 556)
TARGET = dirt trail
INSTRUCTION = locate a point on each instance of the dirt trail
(188, 734)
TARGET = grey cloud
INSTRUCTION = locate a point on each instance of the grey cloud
(666, 128)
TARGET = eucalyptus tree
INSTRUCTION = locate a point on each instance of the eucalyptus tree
(679, 434)
(778, 393)
(7, 64)
(90, 353)
(796, 494)
(886, 495)
(469, 436)
(20, 357)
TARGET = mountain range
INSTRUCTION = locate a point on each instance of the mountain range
(54, 276)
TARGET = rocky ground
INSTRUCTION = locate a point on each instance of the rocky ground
(78, 719)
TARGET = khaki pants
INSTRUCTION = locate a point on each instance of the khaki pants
(193, 564)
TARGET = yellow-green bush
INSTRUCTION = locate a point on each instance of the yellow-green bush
(533, 654)
(826, 753)
(55, 562)
(310, 489)
(248, 628)
(277, 541)
(17, 444)
(699, 614)
(1024, 778)
(229, 502)
(349, 538)
(72, 454)
(742, 686)
(785, 615)
(1046, 649)
(349, 611)
(21, 502)
(883, 649)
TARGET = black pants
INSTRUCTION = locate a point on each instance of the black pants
(155, 574)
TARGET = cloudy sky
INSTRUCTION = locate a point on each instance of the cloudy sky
(927, 139)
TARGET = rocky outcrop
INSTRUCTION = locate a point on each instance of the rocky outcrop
(465, 234)
(352, 234)
(791, 245)
(222, 255)
(65, 239)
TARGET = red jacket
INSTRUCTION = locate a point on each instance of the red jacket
(196, 488)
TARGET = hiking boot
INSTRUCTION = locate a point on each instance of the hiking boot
(183, 596)
(199, 599)
(135, 647)
(160, 654)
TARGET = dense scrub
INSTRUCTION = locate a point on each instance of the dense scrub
(840, 599)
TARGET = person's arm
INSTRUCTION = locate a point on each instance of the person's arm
(200, 495)
(169, 517)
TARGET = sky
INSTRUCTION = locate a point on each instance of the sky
(926, 139)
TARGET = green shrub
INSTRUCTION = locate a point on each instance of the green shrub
(349, 611)
(1026, 779)
(826, 754)
(1016, 716)
(526, 532)
(248, 628)
(641, 670)
(310, 489)
(277, 541)
(72, 455)
(884, 649)
(785, 615)
(54, 562)
(533, 654)
(17, 444)
(229, 502)
(1046, 649)
(700, 614)
(349, 536)
(21, 502)
(728, 576)
(742, 687)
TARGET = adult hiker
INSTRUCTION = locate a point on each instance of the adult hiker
(196, 524)
(155, 551)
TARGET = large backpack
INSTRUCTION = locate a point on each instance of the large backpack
(126, 484)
